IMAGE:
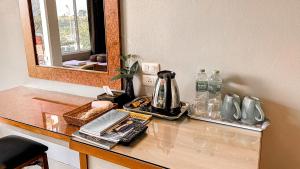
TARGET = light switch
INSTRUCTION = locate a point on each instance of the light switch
(145, 68)
(150, 68)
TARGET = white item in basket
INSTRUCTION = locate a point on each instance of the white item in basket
(102, 104)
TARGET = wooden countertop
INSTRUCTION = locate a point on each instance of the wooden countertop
(39, 110)
(194, 144)
(188, 144)
(178, 144)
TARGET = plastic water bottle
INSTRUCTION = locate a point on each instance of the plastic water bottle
(215, 94)
(201, 92)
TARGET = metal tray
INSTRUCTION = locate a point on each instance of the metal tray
(184, 108)
(204, 117)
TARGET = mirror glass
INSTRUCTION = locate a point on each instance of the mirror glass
(70, 34)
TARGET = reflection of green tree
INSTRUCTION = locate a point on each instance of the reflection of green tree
(82, 13)
(38, 24)
(65, 30)
(37, 16)
(84, 33)
(67, 35)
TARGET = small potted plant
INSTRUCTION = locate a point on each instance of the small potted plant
(130, 67)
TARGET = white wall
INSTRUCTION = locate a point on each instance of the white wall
(12, 60)
(254, 43)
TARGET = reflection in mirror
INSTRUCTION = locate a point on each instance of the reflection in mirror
(70, 34)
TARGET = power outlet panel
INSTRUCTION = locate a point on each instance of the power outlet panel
(149, 80)
(150, 68)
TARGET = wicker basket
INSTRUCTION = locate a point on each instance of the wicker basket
(72, 116)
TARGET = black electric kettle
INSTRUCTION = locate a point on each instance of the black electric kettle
(165, 97)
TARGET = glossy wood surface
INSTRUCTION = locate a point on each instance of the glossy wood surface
(185, 144)
(178, 144)
(111, 156)
(39, 111)
(83, 161)
(92, 78)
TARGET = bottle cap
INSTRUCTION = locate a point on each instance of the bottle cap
(216, 71)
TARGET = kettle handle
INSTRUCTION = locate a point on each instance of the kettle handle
(168, 93)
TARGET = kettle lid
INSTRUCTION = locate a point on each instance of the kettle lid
(163, 73)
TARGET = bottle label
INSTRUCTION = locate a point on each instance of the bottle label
(214, 87)
(201, 86)
(218, 87)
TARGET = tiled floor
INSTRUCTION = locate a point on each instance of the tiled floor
(53, 164)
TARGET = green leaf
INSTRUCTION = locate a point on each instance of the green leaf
(122, 70)
(123, 58)
(134, 68)
(128, 56)
(116, 77)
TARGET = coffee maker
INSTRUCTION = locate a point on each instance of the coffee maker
(165, 97)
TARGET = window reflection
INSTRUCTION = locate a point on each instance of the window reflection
(70, 34)
(73, 26)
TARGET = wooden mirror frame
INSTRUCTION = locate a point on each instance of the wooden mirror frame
(91, 78)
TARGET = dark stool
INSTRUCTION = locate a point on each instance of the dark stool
(19, 152)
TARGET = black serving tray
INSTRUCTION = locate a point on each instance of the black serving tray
(183, 110)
